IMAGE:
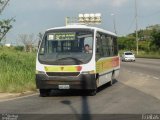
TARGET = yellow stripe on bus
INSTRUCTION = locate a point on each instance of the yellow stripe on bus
(106, 64)
(60, 69)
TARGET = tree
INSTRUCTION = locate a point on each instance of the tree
(28, 41)
(3, 4)
(5, 25)
(126, 43)
(40, 38)
(155, 44)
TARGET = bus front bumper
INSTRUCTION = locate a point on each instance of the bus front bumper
(83, 81)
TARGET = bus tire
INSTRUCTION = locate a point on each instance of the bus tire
(44, 92)
(111, 82)
(93, 92)
(112, 78)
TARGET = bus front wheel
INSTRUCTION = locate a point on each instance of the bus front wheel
(44, 92)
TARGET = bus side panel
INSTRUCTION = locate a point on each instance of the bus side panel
(116, 73)
(105, 68)
(116, 66)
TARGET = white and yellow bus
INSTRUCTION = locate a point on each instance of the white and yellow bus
(76, 57)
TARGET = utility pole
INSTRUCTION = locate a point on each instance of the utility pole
(136, 17)
(114, 22)
(66, 21)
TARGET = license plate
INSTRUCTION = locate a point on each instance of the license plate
(63, 86)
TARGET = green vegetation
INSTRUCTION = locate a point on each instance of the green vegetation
(17, 70)
(5, 24)
(149, 42)
(144, 54)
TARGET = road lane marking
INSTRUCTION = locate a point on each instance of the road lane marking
(142, 74)
(156, 78)
(16, 98)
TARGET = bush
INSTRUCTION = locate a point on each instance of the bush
(17, 70)
(19, 48)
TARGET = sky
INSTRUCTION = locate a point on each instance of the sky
(34, 16)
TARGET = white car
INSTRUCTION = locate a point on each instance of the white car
(128, 56)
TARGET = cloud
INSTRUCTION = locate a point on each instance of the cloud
(118, 3)
(35, 5)
(81, 4)
(149, 3)
(78, 4)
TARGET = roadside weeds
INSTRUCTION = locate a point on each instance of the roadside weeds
(4, 96)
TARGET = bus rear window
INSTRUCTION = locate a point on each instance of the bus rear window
(128, 54)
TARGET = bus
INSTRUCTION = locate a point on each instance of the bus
(76, 57)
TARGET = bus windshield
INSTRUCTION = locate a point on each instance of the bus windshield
(66, 47)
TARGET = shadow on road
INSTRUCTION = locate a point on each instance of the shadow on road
(85, 111)
(105, 86)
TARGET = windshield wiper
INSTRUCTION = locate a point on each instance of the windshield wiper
(66, 58)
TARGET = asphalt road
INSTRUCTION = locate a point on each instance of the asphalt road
(136, 91)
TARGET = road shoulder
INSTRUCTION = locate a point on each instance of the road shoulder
(8, 96)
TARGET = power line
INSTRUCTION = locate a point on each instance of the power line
(132, 23)
(138, 16)
(152, 14)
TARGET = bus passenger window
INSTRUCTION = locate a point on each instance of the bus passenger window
(99, 49)
(115, 46)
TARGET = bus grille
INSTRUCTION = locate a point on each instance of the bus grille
(63, 73)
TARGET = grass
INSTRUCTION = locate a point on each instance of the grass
(17, 70)
(154, 55)
(143, 54)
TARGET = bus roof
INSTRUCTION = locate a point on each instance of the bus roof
(85, 27)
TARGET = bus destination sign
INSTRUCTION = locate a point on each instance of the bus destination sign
(62, 36)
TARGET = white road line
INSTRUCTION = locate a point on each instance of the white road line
(9, 99)
(156, 78)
